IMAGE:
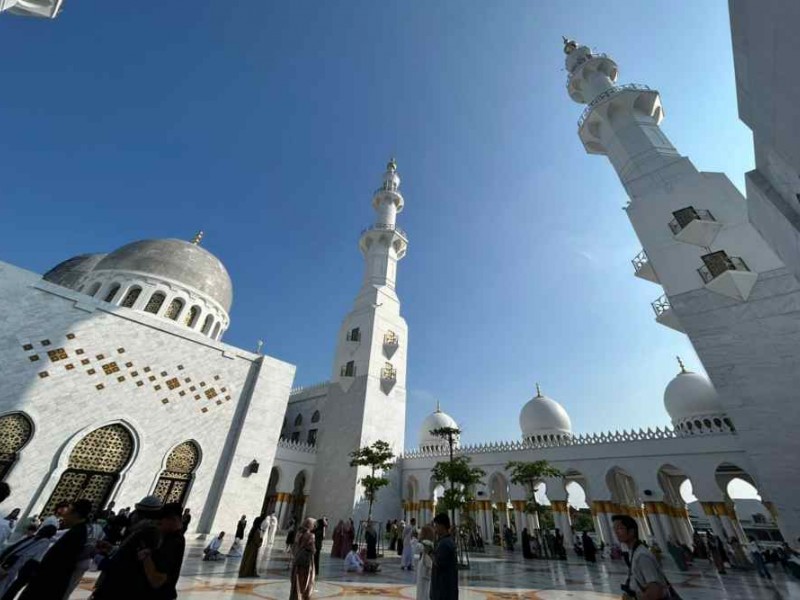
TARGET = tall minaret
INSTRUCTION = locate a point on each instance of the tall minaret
(723, 285)
(367, 396)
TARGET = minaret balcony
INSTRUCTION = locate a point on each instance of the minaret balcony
(665, 315)
(643, 268)
(387, 234)
(696, 227)
(727, 275)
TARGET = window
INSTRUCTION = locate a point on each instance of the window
(388, 372)
(131, 297)
(155, 302)
(173, 309)
(295, 436)
(298, 420)
(94, 289)
(349, 370)
(390, 338)
(315, 417)
(191, 316)
(312, 437)
(215, 335)
(354, 335)
(207, 324)
(112, 292)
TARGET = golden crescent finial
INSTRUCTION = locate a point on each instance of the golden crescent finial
(681, 365)
(538, 391)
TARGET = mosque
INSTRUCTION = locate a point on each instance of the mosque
(117, 382)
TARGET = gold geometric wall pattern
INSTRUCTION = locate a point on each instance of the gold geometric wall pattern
(104, 368)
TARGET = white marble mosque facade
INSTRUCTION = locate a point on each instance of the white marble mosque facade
(252, 437)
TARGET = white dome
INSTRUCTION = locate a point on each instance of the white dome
(435, 420)
(691, 395)
(543, 416)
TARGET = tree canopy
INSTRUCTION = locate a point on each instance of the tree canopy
(378, 458)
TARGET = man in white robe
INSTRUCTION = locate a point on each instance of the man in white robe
(409, 533)
(265, 526)
(273, 528)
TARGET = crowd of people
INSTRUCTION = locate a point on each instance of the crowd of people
(138, 553)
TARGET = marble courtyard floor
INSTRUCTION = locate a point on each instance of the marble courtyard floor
(495, 575)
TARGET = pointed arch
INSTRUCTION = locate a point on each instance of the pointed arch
(16, 430)
(191, 316)
(207, 324)
(94, 467)
(315, 417)
(176, 479)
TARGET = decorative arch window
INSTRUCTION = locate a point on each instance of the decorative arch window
(207, 323)
(315, 417)
(298, 420)
(94, 289)
(174, 309)
(16, 430)
(191, 316)
(174, 482)
(112, 292)
(131, 297)
(94, 467)
(215, 335)
(155, 302)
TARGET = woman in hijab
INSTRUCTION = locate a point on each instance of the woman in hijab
(303, 562)
(250, 559)
(336, 549)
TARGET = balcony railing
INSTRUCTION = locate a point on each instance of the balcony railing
(389, 374)
(390, 339)
(717, 263)
(661, 305)
(388, 188)
(385, 227)
(685, 216)
(612, 91)
(640, 261)
(584, 59)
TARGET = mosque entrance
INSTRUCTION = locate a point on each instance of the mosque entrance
(15, 431)
(94, 467)
(176, 479)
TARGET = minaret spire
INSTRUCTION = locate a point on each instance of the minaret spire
(681, 365)
(538, 391)
(198, 237)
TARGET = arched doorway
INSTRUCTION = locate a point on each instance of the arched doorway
(16, 430)
(298, 496)
(625, 495)
(94, 467)
(176, 478)
(674, 516)
(271, 497)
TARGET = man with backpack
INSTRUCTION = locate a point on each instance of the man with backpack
(646, 580)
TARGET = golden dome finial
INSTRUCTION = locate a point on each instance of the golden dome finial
(681, 365)
(438, 408)
(538, 391)
(198, 237)
(569, 45)
(392, 165)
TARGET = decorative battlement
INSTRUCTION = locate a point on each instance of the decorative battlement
(612, 91)
(308, 388)
(299, 446)
(587, 439)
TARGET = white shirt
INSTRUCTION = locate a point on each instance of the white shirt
(215, 544)
(353, 562)
(5, 531)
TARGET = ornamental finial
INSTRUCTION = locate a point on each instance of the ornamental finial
(392, 165)
(438, 408)
(198, 237)
(259, 346)
(538, 391)
(569, 45)
(681, 365)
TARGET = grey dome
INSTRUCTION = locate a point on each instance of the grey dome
(71, 271)
(178, 260)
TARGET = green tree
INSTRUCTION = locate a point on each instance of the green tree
(582, 521)
(378, 458)
(462, 477)
(530, 475)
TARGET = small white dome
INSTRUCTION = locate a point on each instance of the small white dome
(543, 416)
(435, 420)
(691, 395)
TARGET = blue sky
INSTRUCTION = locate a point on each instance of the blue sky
(269, 124)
